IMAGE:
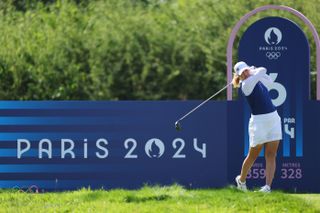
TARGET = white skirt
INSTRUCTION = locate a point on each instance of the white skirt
(264, 128)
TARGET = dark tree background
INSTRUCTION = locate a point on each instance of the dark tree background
(122, 49)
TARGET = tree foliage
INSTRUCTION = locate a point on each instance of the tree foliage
(121, 49)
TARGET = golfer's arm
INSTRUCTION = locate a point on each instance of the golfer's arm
(249, 84)
(266, 80)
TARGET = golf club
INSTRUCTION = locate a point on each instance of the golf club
(177, 123)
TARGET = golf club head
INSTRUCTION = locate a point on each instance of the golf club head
(177, 125)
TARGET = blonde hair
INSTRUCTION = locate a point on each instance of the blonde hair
(236, 80)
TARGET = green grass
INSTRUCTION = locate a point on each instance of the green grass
(311, 199)
(158, 199)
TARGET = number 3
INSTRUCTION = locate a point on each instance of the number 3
(282, 93)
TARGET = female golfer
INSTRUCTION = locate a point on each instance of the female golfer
(264, 125)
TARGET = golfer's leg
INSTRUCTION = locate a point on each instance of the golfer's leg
(270, 156)
(248, 162)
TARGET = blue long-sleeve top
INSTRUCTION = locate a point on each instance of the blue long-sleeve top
(255, 90)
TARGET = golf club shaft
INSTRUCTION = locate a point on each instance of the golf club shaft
(194, 109)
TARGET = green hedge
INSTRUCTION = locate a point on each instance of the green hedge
(121, 49)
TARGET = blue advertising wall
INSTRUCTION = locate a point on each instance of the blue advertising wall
(123, 144)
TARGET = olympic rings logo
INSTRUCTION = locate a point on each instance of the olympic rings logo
(273, 55)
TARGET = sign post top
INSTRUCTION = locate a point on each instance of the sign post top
(263, 8)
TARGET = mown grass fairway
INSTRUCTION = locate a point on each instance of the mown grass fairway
(158, 199)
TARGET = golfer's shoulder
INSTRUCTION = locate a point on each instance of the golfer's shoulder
(247, 86)
(258, 71)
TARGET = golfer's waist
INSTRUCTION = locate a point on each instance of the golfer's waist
(265, 116)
